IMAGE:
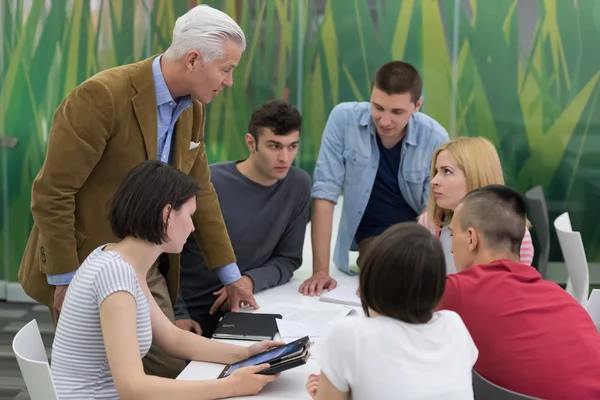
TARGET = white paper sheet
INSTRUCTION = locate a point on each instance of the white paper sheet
(290, 330)
(342, 294)
(300, 321)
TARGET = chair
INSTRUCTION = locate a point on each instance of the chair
(486, 390)
(33, 362)
(593, 307)
(538, 212)
(571, 245)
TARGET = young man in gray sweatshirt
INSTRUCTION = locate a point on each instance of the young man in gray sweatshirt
(265, 202)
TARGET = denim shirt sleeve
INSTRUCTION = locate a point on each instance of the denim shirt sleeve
(436, 142)
(330, 170)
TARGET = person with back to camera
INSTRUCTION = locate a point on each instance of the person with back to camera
(458, 167)
(533, 337)
(403, 349)
(109, 317)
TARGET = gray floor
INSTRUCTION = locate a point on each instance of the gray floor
(12, 318)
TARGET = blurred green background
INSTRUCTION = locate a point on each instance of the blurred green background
(523, 73)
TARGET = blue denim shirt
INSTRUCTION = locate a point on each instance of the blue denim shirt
(348, 162)
(168, 111)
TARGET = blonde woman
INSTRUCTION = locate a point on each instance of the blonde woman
(458, 167)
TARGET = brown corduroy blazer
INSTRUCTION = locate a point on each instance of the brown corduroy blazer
(102, 129)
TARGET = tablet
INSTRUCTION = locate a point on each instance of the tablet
(280, 358)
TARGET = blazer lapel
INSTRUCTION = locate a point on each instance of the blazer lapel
(144, 106)
(183, 136)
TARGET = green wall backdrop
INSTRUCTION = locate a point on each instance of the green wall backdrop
(521, 73)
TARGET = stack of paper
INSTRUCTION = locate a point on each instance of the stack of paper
(300, 321)
(343, 294)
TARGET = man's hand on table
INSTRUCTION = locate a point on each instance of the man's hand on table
(238, 294)
(189, 325)
(314, 285)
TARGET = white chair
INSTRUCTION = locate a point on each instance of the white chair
(33, 362)
(538, 212)
(578, 284)
(593, 307)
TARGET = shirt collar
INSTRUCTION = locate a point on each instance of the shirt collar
(163, 96)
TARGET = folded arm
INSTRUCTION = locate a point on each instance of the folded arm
(327, 391)
(338, 365)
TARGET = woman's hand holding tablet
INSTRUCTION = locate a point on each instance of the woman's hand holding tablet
(248, 381)
(280, 358)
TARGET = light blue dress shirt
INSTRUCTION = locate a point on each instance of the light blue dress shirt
(348, 160)
(168, 111)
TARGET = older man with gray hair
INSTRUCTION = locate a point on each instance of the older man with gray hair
(153, 109)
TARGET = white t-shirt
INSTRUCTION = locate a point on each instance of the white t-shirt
(383, 358)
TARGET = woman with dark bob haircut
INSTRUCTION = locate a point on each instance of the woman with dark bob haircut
(402, 348)
(109, 318)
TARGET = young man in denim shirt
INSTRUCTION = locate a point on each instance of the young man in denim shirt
(379, 154)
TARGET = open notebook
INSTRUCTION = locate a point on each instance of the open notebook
(343, 294)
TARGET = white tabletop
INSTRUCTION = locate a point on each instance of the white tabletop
(291, 383)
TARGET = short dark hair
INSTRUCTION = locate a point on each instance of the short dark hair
(278, 115)
(398, 77)
(136, 209)
(403, 274)
(498, 213)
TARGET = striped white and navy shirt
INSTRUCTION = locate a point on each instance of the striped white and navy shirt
(79, 365)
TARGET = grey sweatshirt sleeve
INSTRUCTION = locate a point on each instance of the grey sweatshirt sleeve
(287, 256)
(179, 308)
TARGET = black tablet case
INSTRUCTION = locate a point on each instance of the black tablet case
(279, 365)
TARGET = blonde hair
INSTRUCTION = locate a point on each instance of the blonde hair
(478, 159)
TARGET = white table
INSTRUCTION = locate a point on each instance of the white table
(291, 383)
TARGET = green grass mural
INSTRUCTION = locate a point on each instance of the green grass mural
(526, 76)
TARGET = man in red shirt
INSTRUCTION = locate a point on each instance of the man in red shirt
(532, 336)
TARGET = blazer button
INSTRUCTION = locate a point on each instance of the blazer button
(43, 255)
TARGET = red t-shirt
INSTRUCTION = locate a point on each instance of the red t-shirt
(532, 336)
